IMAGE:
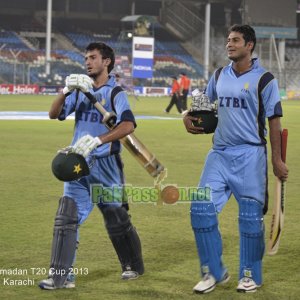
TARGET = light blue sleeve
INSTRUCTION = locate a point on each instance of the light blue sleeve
(271, 99)
(69, 106)
(210, 90)
(122, 108)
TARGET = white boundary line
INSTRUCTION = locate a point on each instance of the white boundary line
(43, 115)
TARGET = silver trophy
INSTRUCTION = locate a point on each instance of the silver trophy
(204, 112)
(201, 102)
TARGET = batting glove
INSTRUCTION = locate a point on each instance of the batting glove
(78, 81)
(85, 83)
(70, 84)
(85, 145)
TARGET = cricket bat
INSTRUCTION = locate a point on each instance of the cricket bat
(138, 150)
(279, 203)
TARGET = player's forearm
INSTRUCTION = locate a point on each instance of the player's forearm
(56, 106)
(123, 129)
(275, 139)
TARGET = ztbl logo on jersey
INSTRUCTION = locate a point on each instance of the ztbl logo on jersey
(232, 102)
(88, 116)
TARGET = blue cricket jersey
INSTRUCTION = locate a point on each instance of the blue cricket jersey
(242, 110)
(89, 121)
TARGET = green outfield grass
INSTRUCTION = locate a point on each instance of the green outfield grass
(30, 193)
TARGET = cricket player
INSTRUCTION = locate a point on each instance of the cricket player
(101, 148)
(237, 163)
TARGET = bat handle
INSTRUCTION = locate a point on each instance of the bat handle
(109, 118)
(92, 99)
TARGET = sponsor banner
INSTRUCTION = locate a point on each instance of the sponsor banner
(19, 89)
(155, 91)
(264, 32)
(6, 89)
(50, 89)
(152, 91)
(142, 68)
(142, 57)
(143, 47)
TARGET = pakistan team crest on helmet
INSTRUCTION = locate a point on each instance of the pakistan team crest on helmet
(69, 166)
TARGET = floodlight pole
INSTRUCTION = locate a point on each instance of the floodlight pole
(281, 52)
(48, 36)
(270, 53)
(133, 8)
(206, 41)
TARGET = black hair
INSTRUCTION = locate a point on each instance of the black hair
(247, 31)
(105, 51)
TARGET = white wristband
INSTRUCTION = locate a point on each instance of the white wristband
(98, 140)
(66, 91)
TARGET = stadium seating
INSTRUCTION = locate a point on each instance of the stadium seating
(292, 62)
(170, 58)
(10, 40)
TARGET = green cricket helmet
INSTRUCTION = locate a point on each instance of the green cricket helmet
(69, 166)
(208, 120)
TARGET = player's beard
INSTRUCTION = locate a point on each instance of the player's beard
(94, 75)
(237, 58)
(96, 72)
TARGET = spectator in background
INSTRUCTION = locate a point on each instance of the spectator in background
(184, 83)
(175, 96)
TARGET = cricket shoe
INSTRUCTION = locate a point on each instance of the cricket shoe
(129, 275)
(48, 284)
(208, 283)
(247, 285)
